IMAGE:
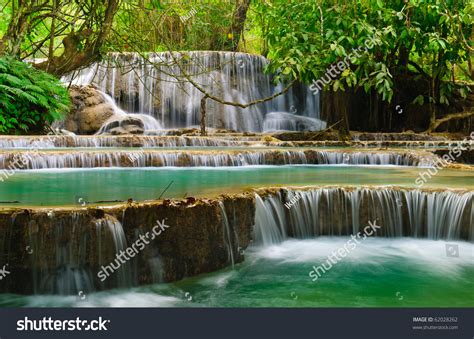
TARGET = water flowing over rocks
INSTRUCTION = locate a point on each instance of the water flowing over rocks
(280, 121)
(63, 141)
(158, 87)
(217, 158)
(190, 137)
(90, 110)
(342, 211)
(126, 125)
(61, 250)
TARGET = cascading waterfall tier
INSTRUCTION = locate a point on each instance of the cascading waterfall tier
(61, 251)
(72, 240)
(158, 86)
(165, 138)
(146, 141)
(156, 158)
(339, 211)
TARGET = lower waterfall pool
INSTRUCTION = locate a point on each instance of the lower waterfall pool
(55, 187)
(393, 272)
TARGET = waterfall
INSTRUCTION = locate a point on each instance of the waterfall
(110, 230)
(66, 248)
(149, 123)
(338, 211)
(270, 223)
(158, 158)
(448, 209)
(227, 233)
(146, 141)
(81, 250)
(158, 87)
(67, 272)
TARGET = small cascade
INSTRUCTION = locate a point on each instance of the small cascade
(227, 234)
(338, 211)
(123, 119)
(67, 272)
(159, 87)
(372, 158)
(82, 250)
(447, 210)
(153, 158)
(281, 121)
(270, 222)
(145, 141)
(110, 231)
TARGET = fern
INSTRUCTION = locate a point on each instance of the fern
(11, 80)
(28, 97)
(33, 88)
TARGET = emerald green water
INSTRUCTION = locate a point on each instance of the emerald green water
(401, 272)
(66, 186)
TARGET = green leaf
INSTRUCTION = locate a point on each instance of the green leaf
(419, 100)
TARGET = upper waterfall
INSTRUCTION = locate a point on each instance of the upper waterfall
(158, 86)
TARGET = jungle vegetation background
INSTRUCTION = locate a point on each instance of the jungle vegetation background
(429, 43)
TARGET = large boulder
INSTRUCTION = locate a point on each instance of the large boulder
(90, 110)
(123, 125)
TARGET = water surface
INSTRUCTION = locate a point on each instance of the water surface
(54, 187)
(402, 272)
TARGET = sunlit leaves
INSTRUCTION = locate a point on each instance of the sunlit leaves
(401, 33)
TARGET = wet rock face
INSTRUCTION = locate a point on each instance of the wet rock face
(62, 251)
(196, 241)
(89, 110)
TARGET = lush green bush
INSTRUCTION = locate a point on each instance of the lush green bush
(28, 97)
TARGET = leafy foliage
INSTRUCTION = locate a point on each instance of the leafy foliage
(29, 97)
(186, 25)
(424, 38)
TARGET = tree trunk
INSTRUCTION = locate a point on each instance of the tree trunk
(11, 42)
(434, 124)
(74, 56)
(334, 109)
(203, 115)
(237, 26)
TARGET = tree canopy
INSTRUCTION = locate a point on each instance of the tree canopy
(431, 40)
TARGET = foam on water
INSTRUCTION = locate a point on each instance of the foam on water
(430, 256)
(115, 298)
(375, 273)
